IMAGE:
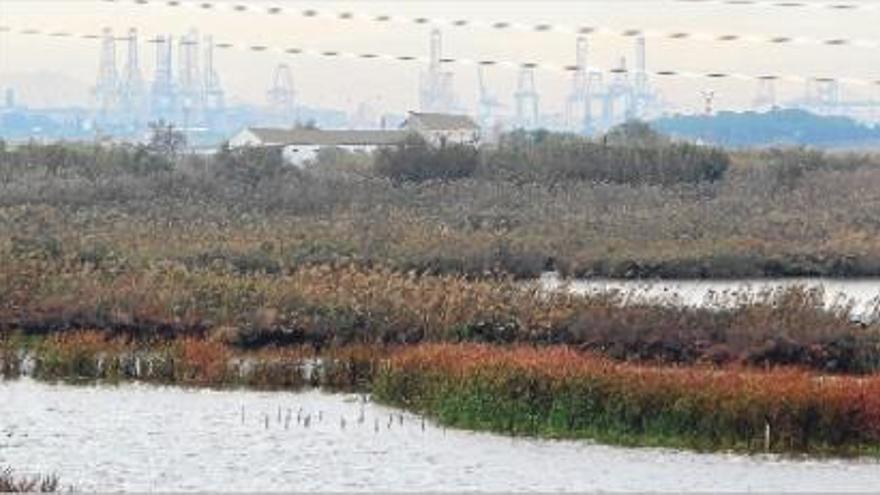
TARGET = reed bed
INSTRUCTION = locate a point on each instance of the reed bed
(333, 305)
(11, 483)
(772, 213)
(561, 393)
(88, 356)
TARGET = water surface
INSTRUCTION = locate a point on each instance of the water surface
(148, 438)
(860, 297)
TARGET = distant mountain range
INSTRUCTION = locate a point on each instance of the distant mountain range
(779, 127)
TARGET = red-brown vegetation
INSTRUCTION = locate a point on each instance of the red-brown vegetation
(558, 391)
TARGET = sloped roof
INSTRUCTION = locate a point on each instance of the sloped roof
(280, 136)
(443, 121)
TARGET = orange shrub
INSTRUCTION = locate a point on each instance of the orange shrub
(202, 362)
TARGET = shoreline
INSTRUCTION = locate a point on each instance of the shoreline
(522, 391)
(353, 396)
(242, 455)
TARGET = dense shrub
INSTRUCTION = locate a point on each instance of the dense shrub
(250, 166)
(555, 158)
(90, 162)
(417, 161)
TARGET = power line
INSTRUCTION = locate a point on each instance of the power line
(832, 6)
(560, 69)
(500, 25)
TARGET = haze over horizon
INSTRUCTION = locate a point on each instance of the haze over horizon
(393, 86)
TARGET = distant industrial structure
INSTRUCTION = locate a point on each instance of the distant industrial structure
(185, 89)
(436, 92)
(826, 97)
(626, 95)
(527, 100)
(487, 101)
(192, 95)
(282, 96)
(594, 103)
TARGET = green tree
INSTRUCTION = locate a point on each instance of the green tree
(165, 139)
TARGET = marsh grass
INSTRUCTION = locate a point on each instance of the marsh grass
(559, 393)
(771, 213)
(10, 483)
(329, 306)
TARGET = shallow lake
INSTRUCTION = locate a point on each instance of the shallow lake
(862, 295)
(145, 438)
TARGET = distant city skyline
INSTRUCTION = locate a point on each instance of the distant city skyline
(393, 86)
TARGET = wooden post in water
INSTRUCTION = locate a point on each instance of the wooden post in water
(767, 436)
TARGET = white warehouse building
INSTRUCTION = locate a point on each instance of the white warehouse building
(302, 145)
(443, 128)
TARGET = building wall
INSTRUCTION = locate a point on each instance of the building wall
(244, 138)
(438, 137)
(300, 154)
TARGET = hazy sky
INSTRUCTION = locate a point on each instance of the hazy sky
(393, 85)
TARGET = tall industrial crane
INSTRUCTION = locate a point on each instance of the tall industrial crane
(281, 95)
(488, 102)
(527, 98)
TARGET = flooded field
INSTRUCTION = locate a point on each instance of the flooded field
(861, 297)
(145, 438)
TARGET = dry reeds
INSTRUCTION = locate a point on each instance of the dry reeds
(9, 483)
(779, 213)
(336, 305)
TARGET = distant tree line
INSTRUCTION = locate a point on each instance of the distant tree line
(629, 154)
(92, 161)
(789, 127)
